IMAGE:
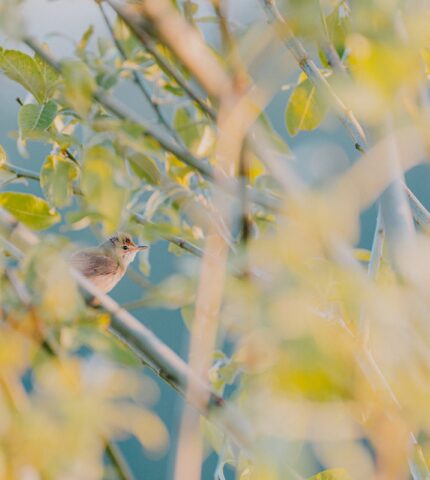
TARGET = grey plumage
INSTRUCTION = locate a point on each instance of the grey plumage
(107, 264)
(91, 263)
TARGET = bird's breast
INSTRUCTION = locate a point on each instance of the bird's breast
(106, 282)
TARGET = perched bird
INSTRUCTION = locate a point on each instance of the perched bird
(106, 264)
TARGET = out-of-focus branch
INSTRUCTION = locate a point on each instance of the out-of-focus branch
(121, 111)
(199, 59)
(421, 214)
(180, 242)
(145, 37)
(234, 119)
(308, 66)
(147, 346)
(136, 78)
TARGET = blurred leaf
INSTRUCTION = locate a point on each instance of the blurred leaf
(306, 108)
(99, 341)
(145, 167)
(49, 75)
(56, 179)
(332, 474)
(362, 254)
(79, 86)
(188, 128)
(29, 209)
(3, 156)
(32, 117)
(83, 42)
(337, 26)
(103, 174)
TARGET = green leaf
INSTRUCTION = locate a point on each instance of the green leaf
(186, 126)
(56, 179)
(338, 24)
(332, 474)
(23, 69)
(79, 86)
(36, 118)
(103, 183)
(49, 75)
(146, 168)
(29, 209)
(83, 42)
(306, 108)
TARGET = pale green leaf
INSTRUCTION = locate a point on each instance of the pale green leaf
(29, 209)
(146, 168)
(3, 156)
(36, 118)
(49, 75)
(306, 108)
(103, 184)
(23, 69)
(79, 86)
(56, 179)
(189, 130)
(83, 42)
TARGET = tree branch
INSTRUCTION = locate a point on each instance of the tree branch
(136, 78)
(123, 112)
(149, 44)
(148, 347)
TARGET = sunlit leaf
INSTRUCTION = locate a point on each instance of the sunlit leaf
(23, 69)
(79, 86)
(145, 167)
(56, 179)
(306, 108)
(29, 209)
(101, 182)
(86, 37)
(3, 156)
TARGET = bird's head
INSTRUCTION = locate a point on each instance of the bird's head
(123, 247)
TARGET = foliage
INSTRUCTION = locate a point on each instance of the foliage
(328, 361)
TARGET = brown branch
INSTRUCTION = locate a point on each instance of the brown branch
(144, 36)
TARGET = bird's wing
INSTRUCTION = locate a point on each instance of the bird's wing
(93, 264)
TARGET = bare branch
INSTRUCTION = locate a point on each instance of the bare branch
(148, 346)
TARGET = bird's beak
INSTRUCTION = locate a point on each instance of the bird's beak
(141, 247)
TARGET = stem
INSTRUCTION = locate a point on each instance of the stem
(118, 461)
(309, 67)
(121, 111)
(149, 44)
(136, 78)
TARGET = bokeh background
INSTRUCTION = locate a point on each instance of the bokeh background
(61, 23)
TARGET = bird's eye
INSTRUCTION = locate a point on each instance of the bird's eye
(125, 247)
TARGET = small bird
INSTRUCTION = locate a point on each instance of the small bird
(106, 264)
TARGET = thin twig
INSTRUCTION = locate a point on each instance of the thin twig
(121, 111)
(149, 44)
(309, 67)
(118, 461)
(136, 78)
(149, 347)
